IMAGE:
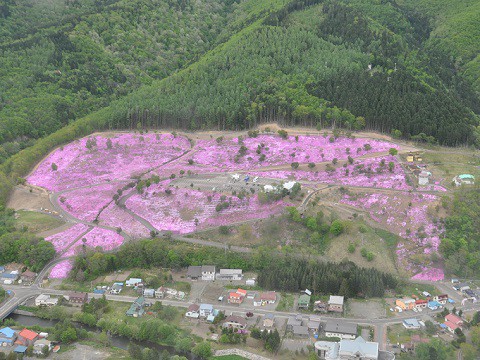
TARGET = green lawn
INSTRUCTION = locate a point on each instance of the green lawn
(36, 222)
(285, 303)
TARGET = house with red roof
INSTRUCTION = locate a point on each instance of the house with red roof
(421, 303)
(26, 337)
(269, 297)
(235, 298)
(457, 320)
(453, 322)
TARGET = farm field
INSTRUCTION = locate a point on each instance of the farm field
(115, 187)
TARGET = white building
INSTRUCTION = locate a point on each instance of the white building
(230, 274)
(133, 282)
(342, 330)
(208, 272)
(424, 178)
(45, 300)
(357, 349)
(289, 185)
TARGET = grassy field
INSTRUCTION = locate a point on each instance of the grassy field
(36, 222)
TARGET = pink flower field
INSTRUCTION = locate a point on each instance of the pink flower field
(363, 172)
(63, 239)
(414, 223)
(280, 151)
(116, 217)
(185, 210)
(61, 270)
(85, 203)
(104, 238)
(129, 155)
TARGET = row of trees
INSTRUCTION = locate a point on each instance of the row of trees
(345, 278)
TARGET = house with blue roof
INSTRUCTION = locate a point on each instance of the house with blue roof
(411, 324)
(20, 349)
(434, 305)
(205, 310)
(7, 336)
(2, 269)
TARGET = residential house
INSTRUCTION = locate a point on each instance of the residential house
(137, 309)
(160, 292)
(342, 330)
(411, 324)
(7, 336)
(294, 321)
(464, 179)
(204, 272)
(235, 322)
(405, 303)
(77, 298)
(208, 272)
(421, 304)
(193, 311)
(450, 326)
(454, 319)
(303, 301)
(9, 278)
(45, 300)
(28, 277)
(26, 337)
(358, 349)
(464, 287)
(442, 299)
(230, 274)
(470, 293)
(300, 331)
(269, 297)
(313, 324)
(20, 349)
(40, 344)
(116, 288)
(433, 305)
(237, 296)
(320, 306)
(133, 282)
(206, 310)
(194, 272)
(99, 291)
(149, 293)
(335, 303)
(424, 178)
(269, 320)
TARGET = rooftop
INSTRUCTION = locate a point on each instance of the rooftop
(28, 334)
(7, 332)
(335, 326)
(358, 347)
(335, 300)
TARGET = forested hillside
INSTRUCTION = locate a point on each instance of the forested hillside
(409, 66)
(60, 60)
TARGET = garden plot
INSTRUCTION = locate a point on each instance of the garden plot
(97, 159)
(116, 217)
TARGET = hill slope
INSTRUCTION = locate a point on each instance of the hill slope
(350, 63)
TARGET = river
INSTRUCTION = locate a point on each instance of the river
(121, 342)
